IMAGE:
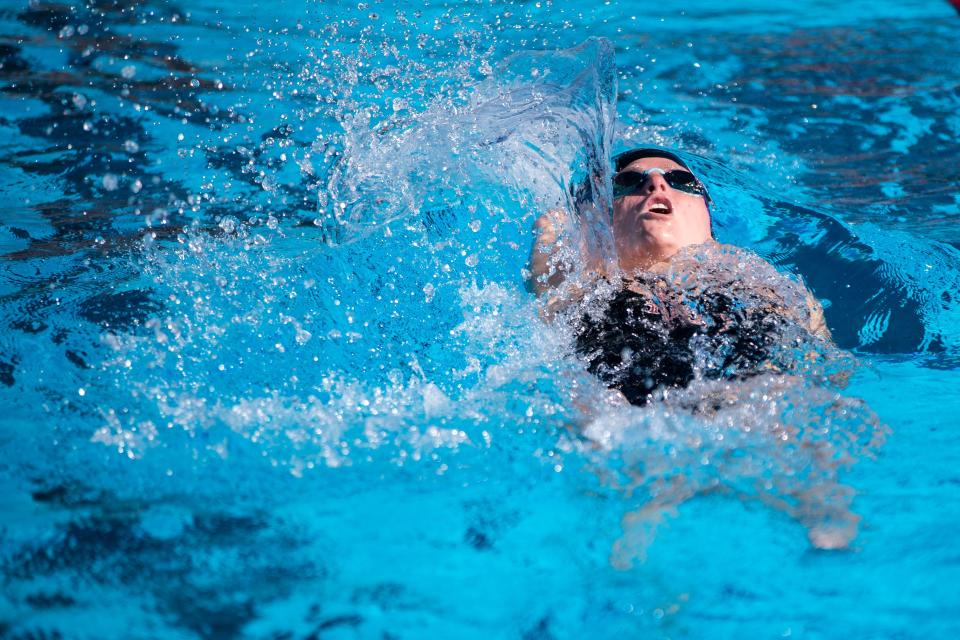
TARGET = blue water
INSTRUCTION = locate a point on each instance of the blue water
(268, 366)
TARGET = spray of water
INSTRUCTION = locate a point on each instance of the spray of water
(391, 335)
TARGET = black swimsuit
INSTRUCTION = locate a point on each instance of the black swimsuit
(640, 342)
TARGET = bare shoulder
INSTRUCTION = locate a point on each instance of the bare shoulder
(747, 274)
(561, 263)
(549, 224)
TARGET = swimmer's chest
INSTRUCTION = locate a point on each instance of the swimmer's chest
(705, 308)
(655, 304)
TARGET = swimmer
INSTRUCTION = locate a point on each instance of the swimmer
(677, 305)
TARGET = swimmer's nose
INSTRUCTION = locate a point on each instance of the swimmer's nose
(655, 183)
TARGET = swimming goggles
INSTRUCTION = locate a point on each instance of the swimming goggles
(626, 183)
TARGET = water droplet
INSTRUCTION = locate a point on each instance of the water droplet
(110, 182)
(128, 71)
(157, 216)
(228, 224)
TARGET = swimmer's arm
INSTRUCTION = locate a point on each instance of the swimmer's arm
(548, 264)
(546, 272)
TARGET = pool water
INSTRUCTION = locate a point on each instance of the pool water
(269, 367)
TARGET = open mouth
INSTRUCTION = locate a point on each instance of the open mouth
(660, 206)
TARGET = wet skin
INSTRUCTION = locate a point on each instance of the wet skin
(651, 225)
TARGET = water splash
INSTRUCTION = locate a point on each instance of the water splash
(525, 140)
(387, 351)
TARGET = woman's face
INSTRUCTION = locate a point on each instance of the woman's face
(654, 222)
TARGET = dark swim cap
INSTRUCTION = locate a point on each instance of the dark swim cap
(624, 159)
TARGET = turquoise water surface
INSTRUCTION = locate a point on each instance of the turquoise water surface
(269, 367)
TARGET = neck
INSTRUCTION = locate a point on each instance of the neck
(645, 258)
(649, 258)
